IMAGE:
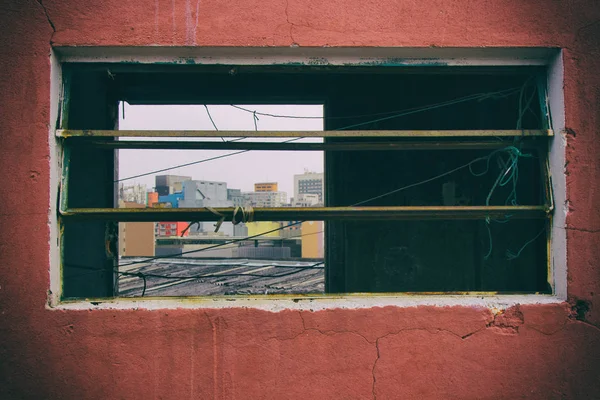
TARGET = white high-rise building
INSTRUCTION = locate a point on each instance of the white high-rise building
(309, 183)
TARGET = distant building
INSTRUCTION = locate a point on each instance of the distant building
(306, 200)
(291, 229)
(136, 239)
(265, 199)
(265, 187)
(260, 227)
(198, 194)
(170, 228)
(133, 193)
(152, 199)
(236, 197)
(170, 200)
(204, 194)
(312, 239)
(169, 184)
(309, 183)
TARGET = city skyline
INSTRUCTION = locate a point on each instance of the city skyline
(139, 192)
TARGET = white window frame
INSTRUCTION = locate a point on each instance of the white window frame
(401, 57)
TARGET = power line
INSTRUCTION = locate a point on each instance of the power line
(467, 165)
(213, 246)
(219, 275)
(177, 261)
(275, 115)
(211, 120)
(460, 99)
(414, 110)
(201, 278)
(182, 165)
(196, 162)
(129, 273)
(205, 249)
(239, 285)
(406, 112)
(509, 148)
(435, 106)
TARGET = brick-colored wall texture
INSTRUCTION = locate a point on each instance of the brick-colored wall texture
(533, 351)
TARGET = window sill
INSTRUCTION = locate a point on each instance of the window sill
(277, 303)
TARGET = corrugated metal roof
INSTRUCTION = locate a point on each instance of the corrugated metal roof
(206, 277)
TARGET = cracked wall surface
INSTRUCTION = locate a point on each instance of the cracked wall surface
(549, 351)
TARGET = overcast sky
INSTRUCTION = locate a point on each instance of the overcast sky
(239, 171)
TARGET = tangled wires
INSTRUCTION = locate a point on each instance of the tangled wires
(507, 160)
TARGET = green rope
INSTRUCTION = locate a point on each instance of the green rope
(509, 174)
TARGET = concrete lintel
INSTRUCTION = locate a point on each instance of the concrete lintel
(374, 56)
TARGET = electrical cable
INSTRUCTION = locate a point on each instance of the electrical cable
(352, 205)
(460, 99)
(511, 256)
(213, 246)
(94, 270)
(240, 287)
(149, 275)
(202, 278)
(502, 175)
(211, 120)
(500, 180)
(509, 172)
(480, 96)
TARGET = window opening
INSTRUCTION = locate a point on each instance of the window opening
(272, 263)
(431, 182)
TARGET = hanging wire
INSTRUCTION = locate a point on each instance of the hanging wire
(476, 96)
(182, 165)
(467, 165)
(509, 169)
(523, 108)
(508, 173)
(211, 120)
(255, 119)
(213, 246)
(92, 270)
(511, 256)
(275, 115)
(169, 258)
(479, 97)
(246, 285)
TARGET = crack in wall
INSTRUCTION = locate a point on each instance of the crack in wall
(507, 322)
(48, 18)
(290, 23)
(373, 370)
(570, 228)
(376, 341)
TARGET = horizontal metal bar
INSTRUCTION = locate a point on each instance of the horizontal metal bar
(269, 146)
(66, 133)
(164, 240)
(306, 213)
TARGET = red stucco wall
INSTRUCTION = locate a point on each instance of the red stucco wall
(541, 352)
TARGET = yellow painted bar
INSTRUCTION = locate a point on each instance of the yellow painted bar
(67, 133)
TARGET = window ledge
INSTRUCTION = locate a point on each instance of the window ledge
(277, 303)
